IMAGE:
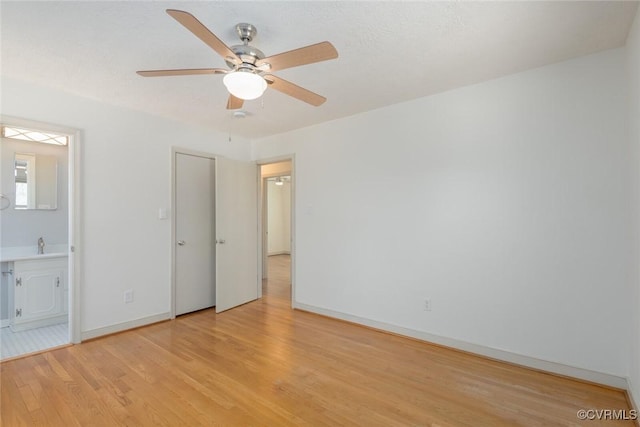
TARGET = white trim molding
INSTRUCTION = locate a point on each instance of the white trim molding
(120, 327)
(501, 355)
(635, 404)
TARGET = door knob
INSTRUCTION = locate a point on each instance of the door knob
(220, 242)
(181, 242)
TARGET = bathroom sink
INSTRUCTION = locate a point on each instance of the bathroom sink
(21, 253)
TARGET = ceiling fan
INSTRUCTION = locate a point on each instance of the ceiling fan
(249, 72)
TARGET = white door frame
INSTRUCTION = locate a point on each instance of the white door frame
(263, 220)
(262, 216)
(174, 152)
(74, 189)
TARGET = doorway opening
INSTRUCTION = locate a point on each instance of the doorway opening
(277, 246)
(39, 216)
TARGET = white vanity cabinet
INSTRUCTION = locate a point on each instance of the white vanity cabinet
(40, 293)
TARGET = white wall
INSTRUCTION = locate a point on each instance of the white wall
(279, 218)
(505, 203)
(633, 73)
(126, 178)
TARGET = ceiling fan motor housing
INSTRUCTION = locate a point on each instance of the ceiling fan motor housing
(247, 54)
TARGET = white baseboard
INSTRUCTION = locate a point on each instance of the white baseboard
(4, 323)
(505, 356)
(119, 327)
(635, 403)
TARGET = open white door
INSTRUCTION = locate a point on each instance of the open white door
(236, 233)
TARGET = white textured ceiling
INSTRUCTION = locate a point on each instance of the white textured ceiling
(389, 51)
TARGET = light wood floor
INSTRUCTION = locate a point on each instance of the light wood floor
(264, 364)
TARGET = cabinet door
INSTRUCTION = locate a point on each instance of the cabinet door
(38, 294)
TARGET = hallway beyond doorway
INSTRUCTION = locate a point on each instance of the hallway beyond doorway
(278, 284)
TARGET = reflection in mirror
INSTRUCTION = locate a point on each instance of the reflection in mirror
(36, 181)
(25, 167)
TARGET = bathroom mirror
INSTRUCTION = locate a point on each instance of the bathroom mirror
(36, 179)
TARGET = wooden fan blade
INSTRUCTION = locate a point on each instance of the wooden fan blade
(234, 103)
(294, 90)
(302, 56)
(182, 72)
(192, 24)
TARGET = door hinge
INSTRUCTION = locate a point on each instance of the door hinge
(57, 282)
(18, 312)
(18, 281)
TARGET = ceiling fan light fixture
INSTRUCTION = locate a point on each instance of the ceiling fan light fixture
(245, 84)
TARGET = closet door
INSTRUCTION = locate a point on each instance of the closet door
(236, 233)
(195, 248)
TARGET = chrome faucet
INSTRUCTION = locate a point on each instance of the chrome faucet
(40, 246)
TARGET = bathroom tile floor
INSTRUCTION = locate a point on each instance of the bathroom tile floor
(14, 344)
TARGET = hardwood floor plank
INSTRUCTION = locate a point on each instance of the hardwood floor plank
(264, 364)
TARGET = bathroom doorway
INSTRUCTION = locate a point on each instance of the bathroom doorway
(37, 230)
(277, 246)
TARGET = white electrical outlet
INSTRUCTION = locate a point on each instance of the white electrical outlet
(427, 305)
(128, 296)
